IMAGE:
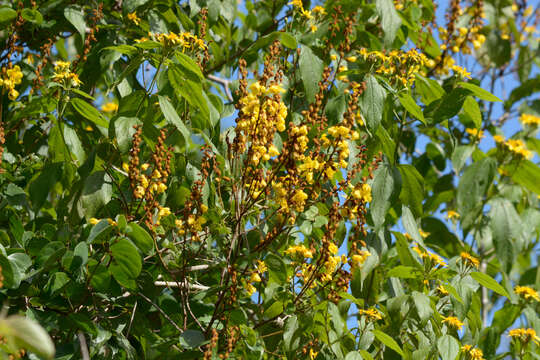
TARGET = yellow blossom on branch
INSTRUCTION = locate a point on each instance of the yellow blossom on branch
(527, 293)
(469, 260)
(453, 322)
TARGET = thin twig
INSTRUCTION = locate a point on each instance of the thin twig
(225, 83)
(162, 313)
(84, 347)
(175, 284)
(131, 319)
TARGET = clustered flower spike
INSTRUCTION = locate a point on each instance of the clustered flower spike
(63, 75)
(9, 78)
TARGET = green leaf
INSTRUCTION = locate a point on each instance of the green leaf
(388, 341)
(390, 19)
(449, 106)
(385, 189)
(172, 117)
(96, 193)
(479, 92)
(474, 183)
(276, 268)
(28, 335)
(290, 341)
(429, 89)
(372, 102)
(527, 88)
(525, 173)
(311, 68)
(410, 105)
(423, 305)
(41, 186)
(89, 112)
(490, 283)
(410, 225)
(505, 226)
(448, 347)
(126, 263)
(75, 15)
(7, 14)
(100, 230)
(273, 310)
(188, 89)
(412, 188)
(32, 15)
(124, 131)
(192, 338)
(288, 40)
(404, 272)
(460, 155)
(472, 111)
(189, 67)
(140, 237)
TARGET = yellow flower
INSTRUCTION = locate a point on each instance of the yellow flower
(524, 335)
(517, 146)
(93, 221)
(319, 10)
(370, 314)
(423, 233)
(255, 277)
(529, 119)
(333, 57)
(313, 28)
(441, 289)
(312, 354)
(469, 260)
(164, 211)
(363, 193)
(453, 322)
(111, 222)
(451, 214)
(250, 289)
(477, 133)
(351, 58)
(299, 250)
(133, 17)
(527, 292)
(360, 258)
(332, 248)
(139, 192)
(109, 107)
(261, 266)
(472, 353)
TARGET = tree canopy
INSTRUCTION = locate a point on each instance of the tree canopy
(269, 179)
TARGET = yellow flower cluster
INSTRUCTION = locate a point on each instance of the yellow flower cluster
(401, 65)
(109, 107)
(299, 134)
(529, 119)
(360, 258)
(446, 64)
(516, 146)
(297, 250)
(155, 182)
(524, 335)
(193, 224)
(340, 134)
(134, 18)
(9, 78)
(453, 322)
(476, 133)
(527, 293)
(370, 314)
(94, 221)
(434, 258)
(469, 260)
(185, 40)
(442, 290)
(451, 214)
(472, 353)
(63, 75)
(459, 41)
(361, 192)
(264, 113)
(255, 277)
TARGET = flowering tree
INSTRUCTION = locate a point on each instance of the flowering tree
(265, 179)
